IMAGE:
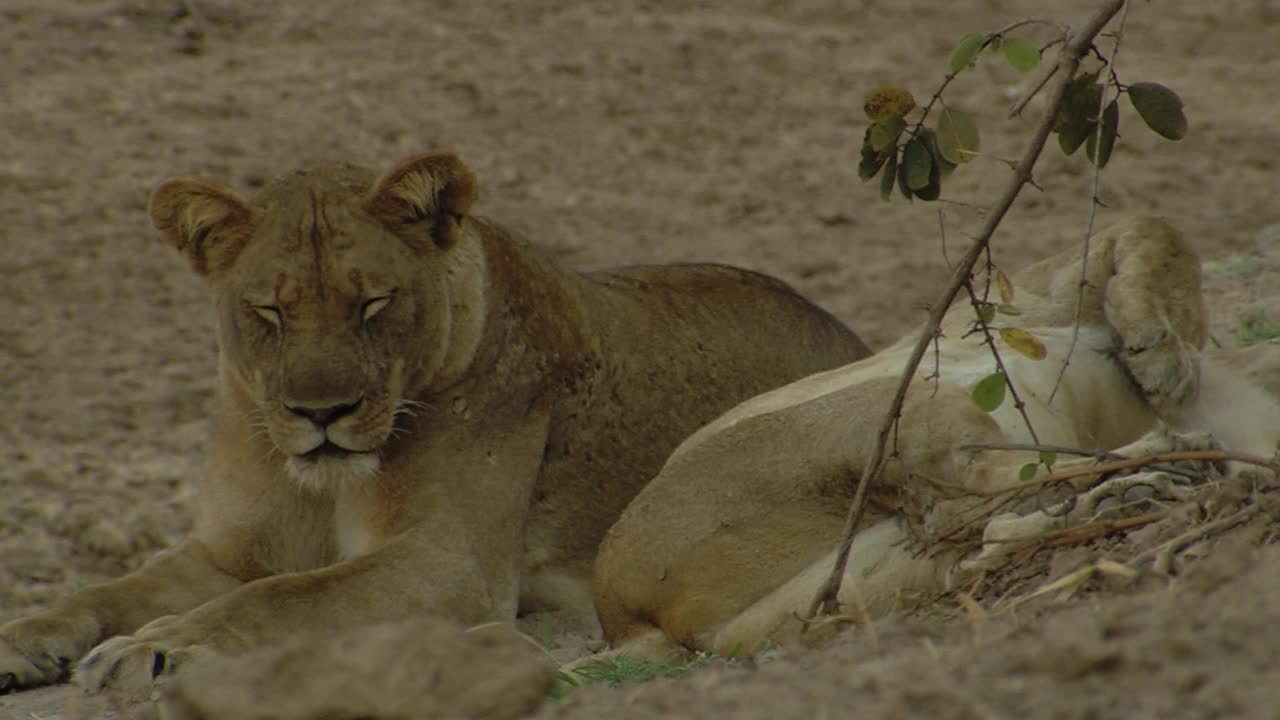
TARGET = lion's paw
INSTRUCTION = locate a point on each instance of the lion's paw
(39, 650)
(1164, 439)
(131, 664)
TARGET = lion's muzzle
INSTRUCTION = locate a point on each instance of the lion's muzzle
(329, 443)
(325, 415)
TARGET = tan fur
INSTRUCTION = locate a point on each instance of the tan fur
(730, 542)
(416, 414)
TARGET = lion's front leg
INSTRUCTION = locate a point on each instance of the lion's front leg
(40, 649)
(464, 505)
(418, 573)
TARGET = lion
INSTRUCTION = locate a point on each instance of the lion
(727, 547)
(416, 414)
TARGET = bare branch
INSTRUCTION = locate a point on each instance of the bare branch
(1109, 70)
(995, 353)
(1064, 450)
(1069, 61)
(1021, 105)
(1112, 466)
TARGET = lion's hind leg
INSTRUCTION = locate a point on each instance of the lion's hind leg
(885, 571)
(1154, 303)
(1142, 279)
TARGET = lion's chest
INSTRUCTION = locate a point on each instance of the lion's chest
(352, 529)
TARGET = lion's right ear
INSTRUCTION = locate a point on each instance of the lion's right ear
(207, 223)
(432, 190)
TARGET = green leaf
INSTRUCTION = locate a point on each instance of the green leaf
(1078, 116)
(902, 178)
(1107, 134)
(871, 161)
(1008, 309)
(916, 164)
(884, 134)
(890, 174)
(966, 53)
(1026, 472)
(1070, 138)
(1160, 108)
(987, 311)
(957, 136)
(1020, 54)
(933, 188)
(989, 392)
(1048, 458)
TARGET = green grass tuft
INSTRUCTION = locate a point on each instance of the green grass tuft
(1256, 327)
(622, 669)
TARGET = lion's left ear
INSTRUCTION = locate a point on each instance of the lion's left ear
(205, 222)
(436, 190)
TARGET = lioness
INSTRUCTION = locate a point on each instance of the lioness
(726, 548)
(416, 413)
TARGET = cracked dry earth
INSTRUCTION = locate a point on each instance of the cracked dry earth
(618, 132)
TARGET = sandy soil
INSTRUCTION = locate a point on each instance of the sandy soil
(610, 132)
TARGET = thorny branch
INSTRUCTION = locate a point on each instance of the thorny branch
(825, 601)
(1134, 463)
(990, 342)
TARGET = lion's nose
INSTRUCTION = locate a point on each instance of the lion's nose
(326, 414)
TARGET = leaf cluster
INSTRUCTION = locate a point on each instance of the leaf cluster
(916, 161)
(1079, 121)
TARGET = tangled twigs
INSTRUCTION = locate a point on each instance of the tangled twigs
(1161, 556)
(1100, 528)
(825, 601)
(1112, 466)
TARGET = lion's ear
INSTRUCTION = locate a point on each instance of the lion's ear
(435, 190)
(205, 222)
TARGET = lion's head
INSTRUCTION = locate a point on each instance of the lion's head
(339, 296)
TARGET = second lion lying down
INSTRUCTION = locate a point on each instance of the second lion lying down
(726, 548)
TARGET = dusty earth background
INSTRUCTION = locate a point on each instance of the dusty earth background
(610, 133)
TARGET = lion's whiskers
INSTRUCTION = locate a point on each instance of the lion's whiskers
(409, 408)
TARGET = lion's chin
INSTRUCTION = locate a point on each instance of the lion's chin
(327, 471)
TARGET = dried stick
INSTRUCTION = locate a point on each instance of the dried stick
(1111, 466)
(1069, 61)
(1163, 554)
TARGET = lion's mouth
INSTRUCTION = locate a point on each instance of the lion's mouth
(329, 449)
(329, 464)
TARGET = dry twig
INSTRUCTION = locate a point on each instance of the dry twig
(1112, 466)
(1162, 555)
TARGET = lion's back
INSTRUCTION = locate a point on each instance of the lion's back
(674, 347)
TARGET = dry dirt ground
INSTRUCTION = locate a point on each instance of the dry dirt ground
(615, 132)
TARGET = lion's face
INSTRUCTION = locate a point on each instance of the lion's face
(334, 301)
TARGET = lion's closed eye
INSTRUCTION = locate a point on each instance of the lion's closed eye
(375, 305)
(270, 313)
